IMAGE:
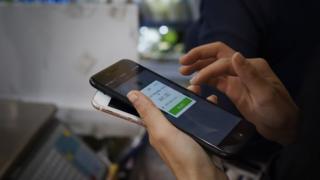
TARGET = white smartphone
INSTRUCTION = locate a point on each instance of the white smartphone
(102, 102)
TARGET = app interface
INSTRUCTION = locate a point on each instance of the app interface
(168, 99)
(181, 107)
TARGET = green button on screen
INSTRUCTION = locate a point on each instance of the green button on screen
(180, 106)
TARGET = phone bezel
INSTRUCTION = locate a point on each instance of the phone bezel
(228, 147)
(106, 108)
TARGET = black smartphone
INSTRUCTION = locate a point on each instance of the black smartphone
(214, 128)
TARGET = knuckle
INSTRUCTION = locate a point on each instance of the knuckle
(251, 71)
(219, 44)
(263, 62)
(143, 108)
(144, 111)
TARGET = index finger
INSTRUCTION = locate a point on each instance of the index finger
(212, 50)
(220, 68)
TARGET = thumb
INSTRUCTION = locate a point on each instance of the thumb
(150, 114)
(248, 74)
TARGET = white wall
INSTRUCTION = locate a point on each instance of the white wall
(49, 52)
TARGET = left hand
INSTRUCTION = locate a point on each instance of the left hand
(185, 157)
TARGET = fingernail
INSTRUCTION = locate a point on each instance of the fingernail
(193, 79)
(132, 96)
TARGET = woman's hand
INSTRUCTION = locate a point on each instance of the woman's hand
(250, 83)
(182, 154)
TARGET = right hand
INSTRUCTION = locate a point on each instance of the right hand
(250, 84)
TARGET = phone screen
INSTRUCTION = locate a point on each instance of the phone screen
(183, 108)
